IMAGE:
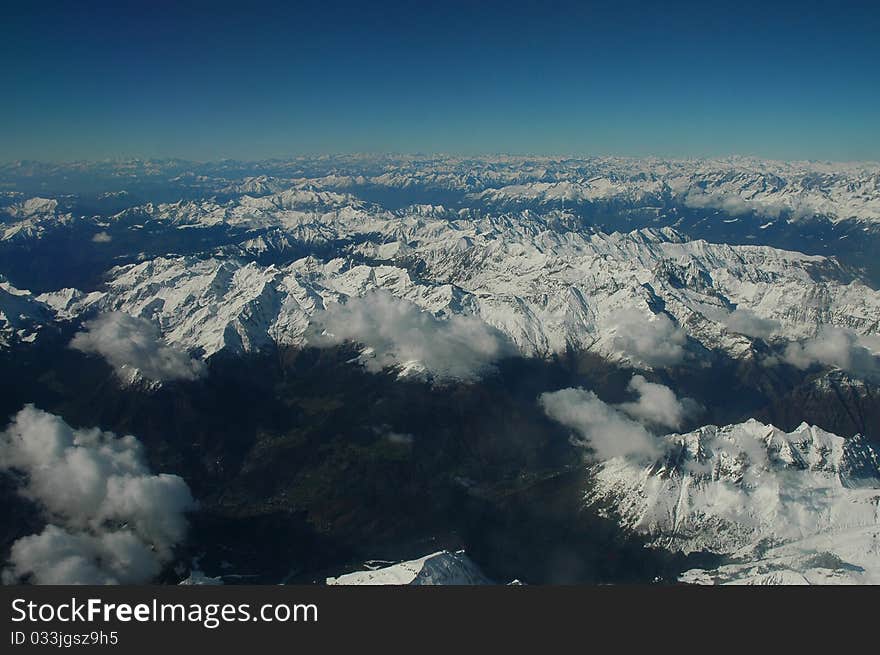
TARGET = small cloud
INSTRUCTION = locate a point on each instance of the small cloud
(102, 237)
(401, 439)
(397, 332)
(658, 405)
(607, 431)
(835, 347)
(110, 520)
(731, 203)
(745, 321)
(871, 342)
(653, 341)
(129, 343)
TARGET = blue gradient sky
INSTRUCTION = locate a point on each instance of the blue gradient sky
(251, 80)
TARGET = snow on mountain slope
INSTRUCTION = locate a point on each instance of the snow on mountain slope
(32, 218)
(292, 209)
(780, 505)
(791, 190)
(845, 556)
(257, 185)
(595, 189)
(775, 189)
(33, 207)
(543, 285)
(21, 315)
(735, 186)
(799, 189)
(440, 568)
(770, 189)
(214, 304)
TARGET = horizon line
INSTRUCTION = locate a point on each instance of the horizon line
(433, 155)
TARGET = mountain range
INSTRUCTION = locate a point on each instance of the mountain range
(650, 322)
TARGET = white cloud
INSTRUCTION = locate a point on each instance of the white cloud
(735, 205)
(653, 342)
(110, 519)
(657, 404)
(57, 556)
(398, 333)
(870, 342)
(400, 438)
(607, 431)
(129, 343)
(745, 321)
(835, 347)
(732, 204)
(102, 237)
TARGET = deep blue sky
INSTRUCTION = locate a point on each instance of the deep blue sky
(249, 80)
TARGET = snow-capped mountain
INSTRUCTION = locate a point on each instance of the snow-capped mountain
(803, 505)
(777, 190)
(442, 267)
(293, 209)
(846, 556)
(548, 286)
(794, 191)
(31, 218)
(21, 315)
(440, 568)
